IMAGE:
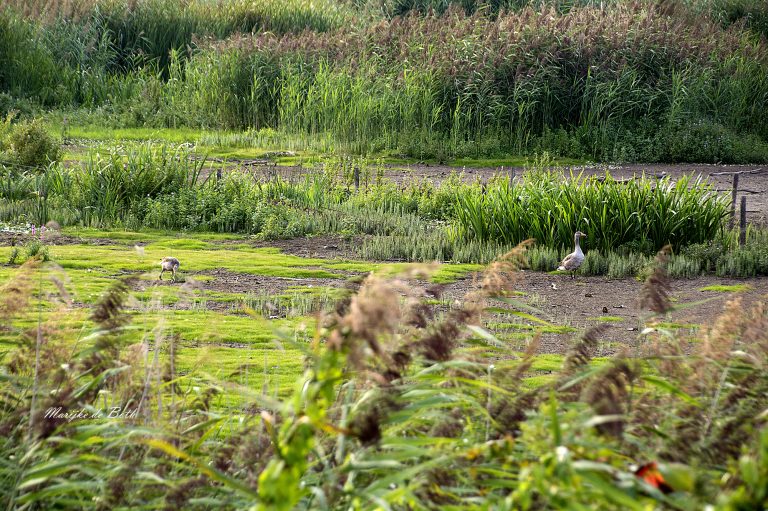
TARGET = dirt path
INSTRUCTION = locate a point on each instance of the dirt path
(578, 303)
(587, 301)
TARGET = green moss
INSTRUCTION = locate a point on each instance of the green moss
(607, 319)
(547, 362)
(544, 329)
(186, 244)
(257, 369)
(511, 161)
(90, 132)
(677, 326)
(540, 380)
(735, 288)
(148, 235)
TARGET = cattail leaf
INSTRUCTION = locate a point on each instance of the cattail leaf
(671, 388)
(201, 466)
(486, 335)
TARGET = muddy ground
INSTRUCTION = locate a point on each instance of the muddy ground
(562, 301)
(580, 303)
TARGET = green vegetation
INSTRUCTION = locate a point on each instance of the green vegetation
(161, 188)
(27, 144)
(646, 83)
(734, 288)
(615, 215)
(268, 381)
(387, 410)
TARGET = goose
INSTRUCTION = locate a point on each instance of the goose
(573, 260)
(170, 264)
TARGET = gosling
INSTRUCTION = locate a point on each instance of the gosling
(170, 264)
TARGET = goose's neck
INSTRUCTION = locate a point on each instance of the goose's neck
(578, 247)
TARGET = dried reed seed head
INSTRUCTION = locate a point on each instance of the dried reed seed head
(108, 312)
(374, 310)
(754, 338)
(434, 291)
(719, 340)
(439, 343)
(528, 358)
(16, 293)
(656, 289)
(581, 352)
(607, 393)
(366, 424)
(500, 276)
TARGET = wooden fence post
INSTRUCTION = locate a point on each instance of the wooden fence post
(743, 221)
(733, 199)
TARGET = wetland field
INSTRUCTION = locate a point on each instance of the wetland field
(369, 203)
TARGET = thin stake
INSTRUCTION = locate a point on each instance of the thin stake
(357, 178)
(38, 343)
(733, 200)
(173, 373)
(743, 221)
(158, 375)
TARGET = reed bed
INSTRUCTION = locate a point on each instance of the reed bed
(458, 221)
(645, 83)
(392, 408)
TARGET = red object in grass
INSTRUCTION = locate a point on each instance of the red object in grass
(651, 475)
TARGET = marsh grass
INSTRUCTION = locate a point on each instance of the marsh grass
(389, 402)
(321, 75)
(291, 304)
(637, 215)
(159, 188)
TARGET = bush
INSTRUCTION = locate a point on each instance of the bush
(29, 144)
(710, 142)
(10, 104)
(36, 249)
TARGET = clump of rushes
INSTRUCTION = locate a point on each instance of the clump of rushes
(638, 214)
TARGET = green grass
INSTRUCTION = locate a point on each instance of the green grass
(511, 161)
(233, 150)
(607, 319)
(544, 329)
(177, 135)
(677, 326)
(733, 288)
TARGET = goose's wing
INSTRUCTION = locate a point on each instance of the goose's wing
(571, 262)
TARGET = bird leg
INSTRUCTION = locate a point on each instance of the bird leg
(161, 274)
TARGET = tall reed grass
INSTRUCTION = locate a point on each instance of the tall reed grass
(642, 214)
(645, 83)
(391, 409)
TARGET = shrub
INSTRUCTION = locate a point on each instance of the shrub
(29, 144)
(38, 250)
